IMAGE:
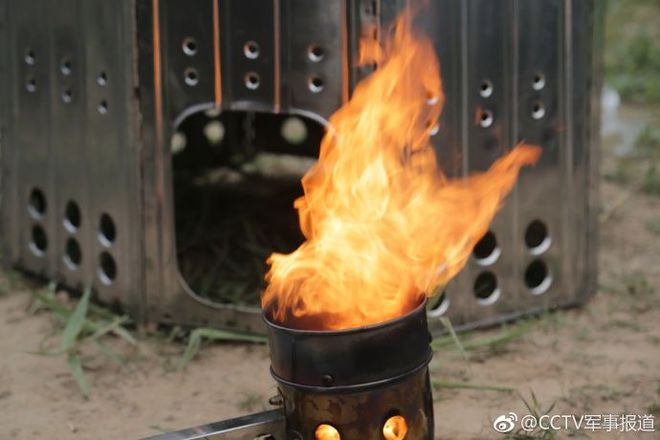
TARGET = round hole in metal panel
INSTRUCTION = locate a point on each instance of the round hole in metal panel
(107, 268)
(39, 242)
(538, 82)
(252, 80)
(102, 79)
(537, 237)
(315, 84)
(326, 431)
(438, 305)
(487, 251)
(72, 216)
(486, 118)
(66, 67)
(486, 88)
(37, 203)
(190, 77)
(294, 130)
(107, 230)
(315, 53)
(30, 57)
(251, 50)
(395, 428)
(486, 289)
(537, 277)
(31, 84)
(538, 110)
(189, 46)
(102, 107)
(214, 131)
(67, 96)
(72, 254)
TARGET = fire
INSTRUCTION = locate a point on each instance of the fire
(383, 225)
(395, 428)
(326, 432)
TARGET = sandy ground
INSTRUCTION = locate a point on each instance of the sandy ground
(603, 358)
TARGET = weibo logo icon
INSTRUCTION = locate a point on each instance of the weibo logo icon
(505, 423)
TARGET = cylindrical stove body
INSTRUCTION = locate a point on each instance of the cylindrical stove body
(355, 380)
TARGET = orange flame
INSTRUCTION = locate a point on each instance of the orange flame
(383, 225)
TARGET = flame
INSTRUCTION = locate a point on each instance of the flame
(383, 225)
(395, 428)
(326, 432)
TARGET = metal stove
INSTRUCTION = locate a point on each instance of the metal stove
(368, 383)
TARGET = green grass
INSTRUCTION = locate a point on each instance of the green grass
(651, 182)
(633, 290)
(198, 336)
(648, 141)
(640, 168)
(632, 50)
(471, 386)
(85, 324)
(637, 285)
(8, 280)
(472, 342)
(654, 226)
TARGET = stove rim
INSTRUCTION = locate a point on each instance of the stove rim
(265, 315)
(357, 388)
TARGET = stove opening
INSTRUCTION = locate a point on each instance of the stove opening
(395, 428)
(236, 176)
(326, 431)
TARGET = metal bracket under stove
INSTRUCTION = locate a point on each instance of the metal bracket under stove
(267, 425)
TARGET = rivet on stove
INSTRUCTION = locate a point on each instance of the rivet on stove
(276, 400)
(327, 380)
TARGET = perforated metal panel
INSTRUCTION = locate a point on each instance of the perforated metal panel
(70, 184)
(93, 91)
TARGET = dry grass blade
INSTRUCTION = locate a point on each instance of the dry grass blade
(470, 386)
(197, 336)
(450, 328)
(496, 342)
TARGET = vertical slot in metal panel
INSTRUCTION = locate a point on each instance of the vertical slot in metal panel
(314, 85)
(70, 157)
(541, 191)
(112, 213)
(491, 288)
(248, 46)
(31, 66)
(188, 55)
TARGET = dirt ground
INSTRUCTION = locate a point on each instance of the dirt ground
(603, 358)
(600, 359)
